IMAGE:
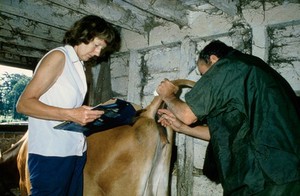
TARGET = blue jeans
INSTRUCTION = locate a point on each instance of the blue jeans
(56, 176)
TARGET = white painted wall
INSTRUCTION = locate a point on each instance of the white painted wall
(171, 52)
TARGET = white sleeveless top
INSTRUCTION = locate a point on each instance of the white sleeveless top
(68, 92)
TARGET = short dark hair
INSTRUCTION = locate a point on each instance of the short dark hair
(88, 28)
(215, 47)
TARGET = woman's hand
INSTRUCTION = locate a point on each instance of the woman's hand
(83, 115)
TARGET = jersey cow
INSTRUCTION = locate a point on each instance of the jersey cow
(126, 160)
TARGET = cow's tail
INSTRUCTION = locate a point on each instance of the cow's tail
(183, 83)
(151, 110)
(158, 180)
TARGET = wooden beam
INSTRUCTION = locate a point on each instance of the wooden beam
(30, 27)
(13, 128)
(171, 10)
(24, 36)
(25, 51)
(112, 12)
(227, 6)
(10, 37)
(18, 61)
(41, 12)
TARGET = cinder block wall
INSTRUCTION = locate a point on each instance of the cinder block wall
(270, 31)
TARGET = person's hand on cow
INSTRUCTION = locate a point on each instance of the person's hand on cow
(167, 89)
(84, 114)
(167, 118)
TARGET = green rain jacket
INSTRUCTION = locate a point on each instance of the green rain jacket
(254, 122)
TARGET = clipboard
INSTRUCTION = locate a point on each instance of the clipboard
(115, 114)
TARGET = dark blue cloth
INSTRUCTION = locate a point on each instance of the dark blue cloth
(116, 114)
(56, 176)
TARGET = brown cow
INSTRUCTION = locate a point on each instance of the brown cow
(126, 160)
(9, 175)
(24, 183)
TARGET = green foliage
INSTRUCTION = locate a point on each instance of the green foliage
(11, 87)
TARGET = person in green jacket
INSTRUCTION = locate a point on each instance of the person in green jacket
(253, 121)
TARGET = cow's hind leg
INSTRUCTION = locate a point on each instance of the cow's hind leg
(22, 159)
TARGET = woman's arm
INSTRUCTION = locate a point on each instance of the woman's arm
(46, 75)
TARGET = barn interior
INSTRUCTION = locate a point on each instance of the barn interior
(158, 39)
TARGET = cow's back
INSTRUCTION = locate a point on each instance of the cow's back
(121, 160)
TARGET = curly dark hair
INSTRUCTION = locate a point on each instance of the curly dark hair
(88, 28)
